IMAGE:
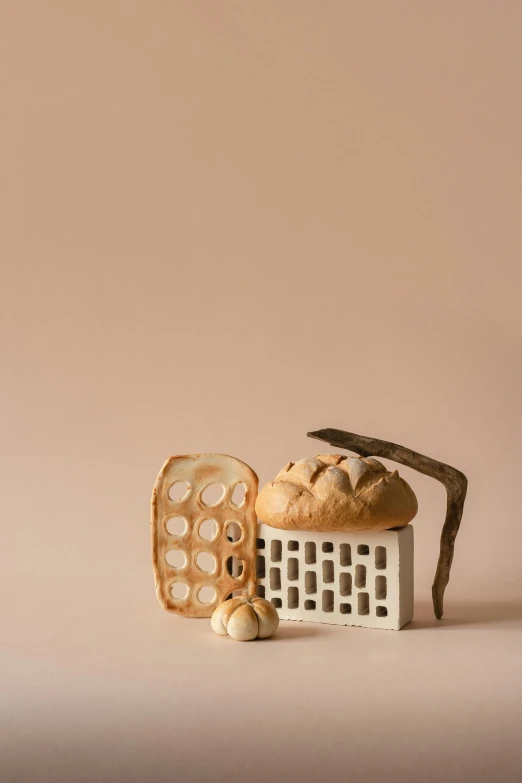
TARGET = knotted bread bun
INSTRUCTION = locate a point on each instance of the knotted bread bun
(333, 492)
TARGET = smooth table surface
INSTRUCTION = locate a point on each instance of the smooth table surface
(132, 693)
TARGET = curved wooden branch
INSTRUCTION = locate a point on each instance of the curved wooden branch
(455, 482)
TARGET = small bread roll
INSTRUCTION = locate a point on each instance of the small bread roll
(333, 492)
(245, 618)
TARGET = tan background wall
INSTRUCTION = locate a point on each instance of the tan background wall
(224, 224)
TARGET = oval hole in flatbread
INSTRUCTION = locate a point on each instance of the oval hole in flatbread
(176, 526)
(208, 529)
(206, 595)
(176, 558)
(206, 562)
(238, 495)
(212, 495)
(178, 490)
(235, 566)
(179, 590)
(234, 532)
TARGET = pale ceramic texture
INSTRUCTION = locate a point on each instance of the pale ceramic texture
(334, 492)
(245, 618)
(339, 578)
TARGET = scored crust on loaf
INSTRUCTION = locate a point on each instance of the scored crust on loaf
(335, 492)
(200, 471)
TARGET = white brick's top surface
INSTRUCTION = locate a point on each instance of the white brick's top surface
(362, 578)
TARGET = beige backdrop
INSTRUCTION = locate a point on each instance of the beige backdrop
(223, 224)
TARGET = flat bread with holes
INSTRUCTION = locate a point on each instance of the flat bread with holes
(203, 545)
(334, 492)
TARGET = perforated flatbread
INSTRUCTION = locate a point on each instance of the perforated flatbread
(180, 532)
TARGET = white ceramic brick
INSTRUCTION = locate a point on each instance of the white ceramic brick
(373, 588)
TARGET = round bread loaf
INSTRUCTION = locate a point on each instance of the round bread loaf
(334, 492)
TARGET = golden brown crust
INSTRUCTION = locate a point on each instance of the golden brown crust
(334, 492)
(200, 471)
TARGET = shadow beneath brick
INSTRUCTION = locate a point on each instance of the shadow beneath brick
(458, 614)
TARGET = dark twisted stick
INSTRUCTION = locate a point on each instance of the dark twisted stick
(455, 482)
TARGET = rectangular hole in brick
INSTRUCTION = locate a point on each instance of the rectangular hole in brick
(260, 567)
(293, 569)
(310, 582)
(327, 546)
(275, 578)
(346, 555)
(380, 557)
(260, 591)
(346, 608)
(363, 549)
(293, 546)
(380, 587)
(309, 553)
(360, 576)
(276, 602)
(309, 604)
(363, 603)
(276, 551)
(328, 571)
(345, 583)
(260, 543)
(328, 601)
(293, 598)
(381, 611)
